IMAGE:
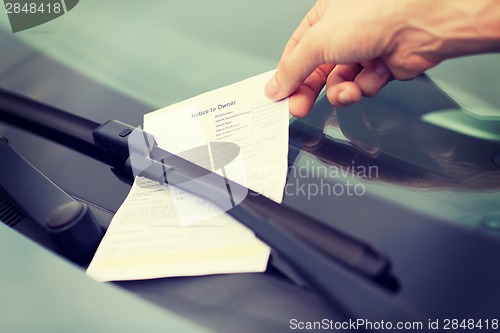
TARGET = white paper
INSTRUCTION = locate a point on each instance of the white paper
(239, 113)
(162, 231)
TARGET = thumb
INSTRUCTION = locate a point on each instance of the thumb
(296, 65)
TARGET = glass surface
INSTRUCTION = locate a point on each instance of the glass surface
(415, 151)
(408, 170)
(160, 52)
(386, 147)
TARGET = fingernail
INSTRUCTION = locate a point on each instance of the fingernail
(345, 98)
(272, 88)
(381, 70)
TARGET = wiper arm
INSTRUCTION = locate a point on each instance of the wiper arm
(255, 211)
(318, 252)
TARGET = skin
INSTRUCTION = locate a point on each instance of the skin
(355, 47)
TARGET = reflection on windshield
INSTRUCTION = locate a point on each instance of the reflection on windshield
(405, 150)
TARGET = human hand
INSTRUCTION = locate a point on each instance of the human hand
(356, 46)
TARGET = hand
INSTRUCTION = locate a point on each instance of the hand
(356, 46)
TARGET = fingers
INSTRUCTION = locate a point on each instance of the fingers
(343, 94)
(302, 72)
(340, 89)
(347, 83)
(296, 66)
(312, 17)
(302, 100)
(373, 77)
(302, 55)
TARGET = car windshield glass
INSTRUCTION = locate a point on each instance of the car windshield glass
(412, 146)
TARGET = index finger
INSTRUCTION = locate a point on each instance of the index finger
(312, 17)
(301, 56)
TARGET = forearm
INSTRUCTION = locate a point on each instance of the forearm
(356, 46)
(449, 28)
